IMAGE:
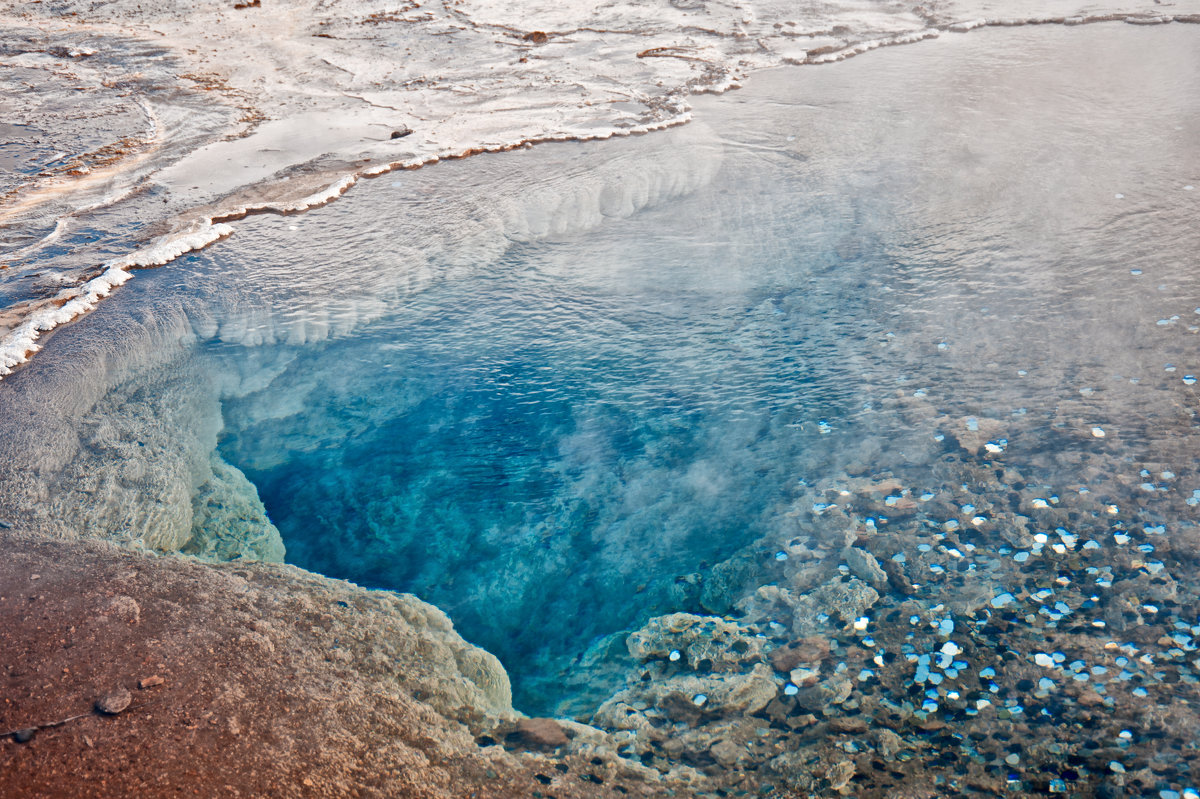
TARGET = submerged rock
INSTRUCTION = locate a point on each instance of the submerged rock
(544, 733)
(706, 643)
(864, 566)
(688, 697)
(694, 668)
(831, 606)
(823, 696)
(229, 521)
(805, 651)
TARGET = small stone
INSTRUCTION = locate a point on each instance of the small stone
(727, 753)
(114, 701)
(848, 724)
(888, 743)
(401, 132)
(897, 578)
(150, 682)
(806, 650)
(125, 608)
(864, 566)
(546, 733)
(840, 775)
(804, 678)
(24, 736)
(801, 721)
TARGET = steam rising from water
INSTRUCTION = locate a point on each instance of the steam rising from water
(148, 121)
(545, 389)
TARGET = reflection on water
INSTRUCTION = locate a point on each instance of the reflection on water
(891, 364)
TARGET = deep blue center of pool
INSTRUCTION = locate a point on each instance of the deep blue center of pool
(551, 457)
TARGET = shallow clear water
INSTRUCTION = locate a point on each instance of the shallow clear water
(559, 391)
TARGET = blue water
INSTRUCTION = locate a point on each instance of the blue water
(542, 454)
(554, 437)
(934, 310)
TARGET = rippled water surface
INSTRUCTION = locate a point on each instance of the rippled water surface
(559, 391)
(553, 437)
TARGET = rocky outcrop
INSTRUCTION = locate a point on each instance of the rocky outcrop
(260, 680)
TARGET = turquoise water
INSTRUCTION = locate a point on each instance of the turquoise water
(554, 437)
(543, 451)
(559, 391)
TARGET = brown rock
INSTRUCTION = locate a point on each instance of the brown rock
(849, 724)
(806, 650)
(542, 733)
(150, 682)
(114, 701)
(411, 691)
(727, 752)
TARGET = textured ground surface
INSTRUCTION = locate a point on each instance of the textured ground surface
(274, 683)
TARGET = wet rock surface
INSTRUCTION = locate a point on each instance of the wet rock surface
(1028, 636)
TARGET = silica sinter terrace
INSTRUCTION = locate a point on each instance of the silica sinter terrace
(879, 376)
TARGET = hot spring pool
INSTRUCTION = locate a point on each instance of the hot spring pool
(938, 303)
